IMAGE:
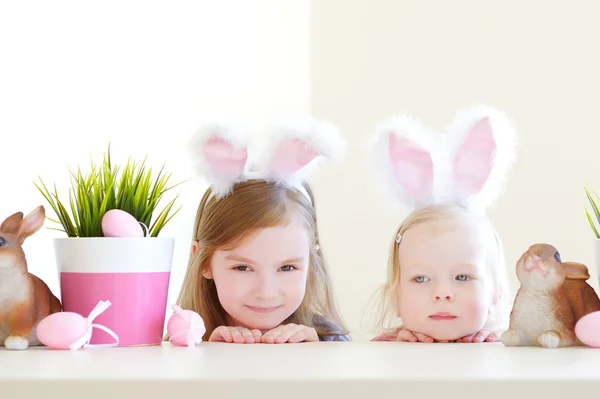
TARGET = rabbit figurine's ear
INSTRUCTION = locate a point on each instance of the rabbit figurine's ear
(12, 223)
(294, 144)
(482, 150)
(576, 270)
(403, 156)
(32, 223)
(220, 153)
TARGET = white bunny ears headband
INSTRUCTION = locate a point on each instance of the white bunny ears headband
(468, 165)
(221, 153)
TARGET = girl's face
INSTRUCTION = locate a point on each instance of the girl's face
(445, 290)
(261, 282)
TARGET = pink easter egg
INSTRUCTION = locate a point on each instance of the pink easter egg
(587, 329)
(177, 327)
(118, 223)
(59, 330)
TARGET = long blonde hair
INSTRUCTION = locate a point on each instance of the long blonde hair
(223, 223)
(387, 318)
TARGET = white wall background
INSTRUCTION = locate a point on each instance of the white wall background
(145, 74)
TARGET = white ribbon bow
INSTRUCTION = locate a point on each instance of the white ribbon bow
(84, 341)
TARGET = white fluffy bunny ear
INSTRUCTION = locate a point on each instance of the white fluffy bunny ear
(220, 152)
(481, 148)
(294, 145)
(404, 156)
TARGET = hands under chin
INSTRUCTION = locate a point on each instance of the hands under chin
(237, 335)
(480, 336)
(290, 333)
(484, 335)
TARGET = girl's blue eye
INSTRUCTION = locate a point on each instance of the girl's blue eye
(420, 279)
(462, 277)
(242, 268)
(557, 257)
(287, 268)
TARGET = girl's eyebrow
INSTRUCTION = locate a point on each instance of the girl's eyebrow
(239, 258)
(294, 260)
(467, 266)
(414, 266)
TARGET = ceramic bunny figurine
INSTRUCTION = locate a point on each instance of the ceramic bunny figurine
(24, 298)
(553, 296)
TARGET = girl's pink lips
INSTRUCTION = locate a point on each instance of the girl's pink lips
(263, 309)
(442, 316)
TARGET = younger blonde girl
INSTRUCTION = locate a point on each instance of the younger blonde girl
(446, 279)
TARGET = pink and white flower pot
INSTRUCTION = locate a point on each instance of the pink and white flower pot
(132, 273)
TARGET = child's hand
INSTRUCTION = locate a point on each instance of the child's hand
(409, 336)
(290, 333)
(238, 335)
(481, 336)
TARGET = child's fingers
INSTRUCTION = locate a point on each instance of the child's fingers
(286, 333)
(306, 334)
(299, 336)
(247, 334)
(236, 335)
(423, 338)
(468, 338)
(257, 335)
(493, 337)
(269, 336)
(406, 336)
(221, 334)
(481, 336)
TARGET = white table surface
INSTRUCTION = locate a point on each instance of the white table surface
(355, 369)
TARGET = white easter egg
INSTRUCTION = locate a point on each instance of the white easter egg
(118, 223)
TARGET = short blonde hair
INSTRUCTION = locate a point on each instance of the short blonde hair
(387, 318)
(223, 223)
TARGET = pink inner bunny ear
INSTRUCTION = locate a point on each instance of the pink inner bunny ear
(225, 161)
(412, 167)
(290, 156)
(32, 223)
(474, 160)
